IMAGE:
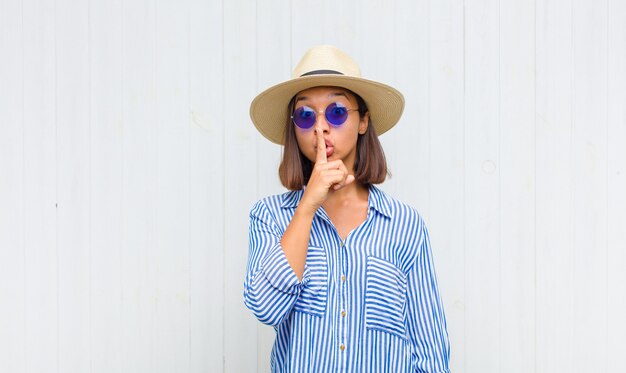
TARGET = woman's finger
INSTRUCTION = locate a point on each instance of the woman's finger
(349, 179)
(321, 148)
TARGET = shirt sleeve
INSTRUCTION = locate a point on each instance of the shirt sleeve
(426, 318)
(271, 287)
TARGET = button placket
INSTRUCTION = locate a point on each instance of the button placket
(342, 297)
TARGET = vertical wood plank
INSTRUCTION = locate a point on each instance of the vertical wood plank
(306, 30)
(40, 187)
(172, 327)
(12, 218)
(315, 25)
(74, 185)
(482, 214)
(376, 45)
(589, 149)
(342, 34)
(240, 175)
(446, 178)
(412, 149)
(138, 189)
(554, 194)
(105, 56)
(517, 186)
(206, 187)
(616, 184)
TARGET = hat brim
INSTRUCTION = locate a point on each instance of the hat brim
(269, 111)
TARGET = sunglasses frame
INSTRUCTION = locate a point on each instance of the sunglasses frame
(348, 110)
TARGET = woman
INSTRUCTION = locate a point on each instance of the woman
(342, 271)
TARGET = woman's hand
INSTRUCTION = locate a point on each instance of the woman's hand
(325, 175)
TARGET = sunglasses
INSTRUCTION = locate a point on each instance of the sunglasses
(335, 113)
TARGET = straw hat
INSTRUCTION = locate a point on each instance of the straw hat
(325, 65)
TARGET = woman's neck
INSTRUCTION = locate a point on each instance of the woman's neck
(348, 195)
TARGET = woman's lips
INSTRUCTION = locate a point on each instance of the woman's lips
(329, 151)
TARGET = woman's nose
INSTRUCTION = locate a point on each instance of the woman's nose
(320, 123)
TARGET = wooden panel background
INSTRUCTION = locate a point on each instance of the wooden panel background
(128, 166)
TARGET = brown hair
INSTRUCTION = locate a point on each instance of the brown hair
(370, 166)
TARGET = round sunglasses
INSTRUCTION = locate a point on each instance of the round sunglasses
(335, 113)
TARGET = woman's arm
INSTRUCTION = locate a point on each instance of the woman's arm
(277, 262)
(426, 319)
(271, 287)
(295, 241)
(324, 176)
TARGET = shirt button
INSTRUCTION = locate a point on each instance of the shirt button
(343, 313)
(342, 347)
(343, 278)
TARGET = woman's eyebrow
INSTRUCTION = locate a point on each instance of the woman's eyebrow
(338, 94)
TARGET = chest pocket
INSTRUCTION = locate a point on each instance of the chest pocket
(314, 294)
(385, 297)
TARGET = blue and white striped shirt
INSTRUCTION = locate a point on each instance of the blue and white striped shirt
(366, 304)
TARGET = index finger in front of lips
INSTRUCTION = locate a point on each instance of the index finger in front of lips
(321, 148)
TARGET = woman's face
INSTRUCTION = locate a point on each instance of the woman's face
(340, 139)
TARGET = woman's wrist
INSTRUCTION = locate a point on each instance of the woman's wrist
(306, 210)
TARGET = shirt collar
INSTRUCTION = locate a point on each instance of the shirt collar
(378, 200)
(291, 199)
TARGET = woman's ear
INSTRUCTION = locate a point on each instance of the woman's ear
(364, 123)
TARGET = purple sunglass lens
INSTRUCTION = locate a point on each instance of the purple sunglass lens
(336, 113)
(304, 117)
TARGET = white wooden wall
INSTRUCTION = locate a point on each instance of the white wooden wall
(128, 165)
